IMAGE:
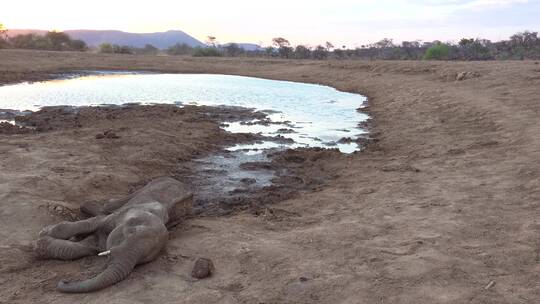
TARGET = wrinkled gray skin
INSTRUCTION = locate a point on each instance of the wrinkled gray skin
(132, 228)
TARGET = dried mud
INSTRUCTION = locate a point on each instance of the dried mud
(441, 207)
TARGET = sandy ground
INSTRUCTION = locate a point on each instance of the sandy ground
(443, 208)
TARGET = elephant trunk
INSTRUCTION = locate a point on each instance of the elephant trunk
(119, 268)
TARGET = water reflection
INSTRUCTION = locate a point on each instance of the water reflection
(311, 115)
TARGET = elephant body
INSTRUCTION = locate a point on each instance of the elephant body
(131, 231)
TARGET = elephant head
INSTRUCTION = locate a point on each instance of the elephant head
(130, 244)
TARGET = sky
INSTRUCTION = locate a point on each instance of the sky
(342, 22)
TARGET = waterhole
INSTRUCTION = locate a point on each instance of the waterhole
(303, 115)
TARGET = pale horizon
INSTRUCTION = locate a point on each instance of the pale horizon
(342, 22)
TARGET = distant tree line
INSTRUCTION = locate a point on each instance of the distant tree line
(522, 45)
(51, 41)
(108, 48)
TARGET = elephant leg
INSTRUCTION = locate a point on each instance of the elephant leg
(51, 248)
(115, 204)
(94, 208)
(66, 230)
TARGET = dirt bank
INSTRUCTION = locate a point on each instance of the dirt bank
(443, 204)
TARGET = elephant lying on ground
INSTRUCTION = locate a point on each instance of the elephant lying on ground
(131, 231)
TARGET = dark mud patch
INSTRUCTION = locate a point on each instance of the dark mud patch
(66, 117)
(9, 128)
(223, 181)
(229, 182)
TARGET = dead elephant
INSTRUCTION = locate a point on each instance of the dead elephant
(131, 231)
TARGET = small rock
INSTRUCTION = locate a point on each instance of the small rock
(248, 181)
(461, 76)
(303, 279)
(107, 134)
(111, 135)
(286, 131)
(203, 268)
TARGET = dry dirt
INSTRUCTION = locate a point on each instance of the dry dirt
(442, 208)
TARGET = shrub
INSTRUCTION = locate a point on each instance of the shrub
(206, 52)
(180, 49)
(58, 40)
(285, 51)
(233, 50)
(78, 45)
(3, 37)
(438, 52)
(122, 49)
(106, 48)
(148, 49)
(302, 52)
(320, 53)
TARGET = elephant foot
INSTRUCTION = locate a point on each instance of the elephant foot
(41, 247)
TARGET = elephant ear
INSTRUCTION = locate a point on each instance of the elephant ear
(181, 209)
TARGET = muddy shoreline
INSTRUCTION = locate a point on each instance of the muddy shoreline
(281, 165)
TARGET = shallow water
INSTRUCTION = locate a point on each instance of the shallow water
(319, 115)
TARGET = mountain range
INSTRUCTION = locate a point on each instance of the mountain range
(161, 40)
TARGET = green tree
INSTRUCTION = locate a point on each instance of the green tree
(339, 53)
(148, 49)
(329, 46)
(78, 45)
(106, 48)
(439, 51)
(58, 40)
(233, 50)
(180, 49)
(280, 42)
(122, 49)
(302, 52)
(474, 49)
(269, 51)
(320, 52)
(385, 43)
(211, 41)
(206, 52)
(3, 36)
(284, 47)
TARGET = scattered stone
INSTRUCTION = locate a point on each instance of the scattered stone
(254, 166)
(248, 181)
(399, 168)
(203, 268)
(107, 134)
(285, 131)
(466, 75)
(7, 128)
(282, 139)
(456, 151)
(111, 134)
(303, 279)
(461, 76)
(346, 140)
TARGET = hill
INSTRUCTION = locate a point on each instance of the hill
(160, 40)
